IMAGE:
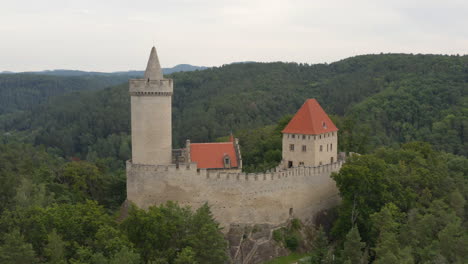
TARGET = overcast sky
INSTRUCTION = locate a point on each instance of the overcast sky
(117, 35)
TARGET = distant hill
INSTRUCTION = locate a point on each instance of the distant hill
(63, 72)
(374, 99)
(23, 91)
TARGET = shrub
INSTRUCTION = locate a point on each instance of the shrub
(295, 224)
(278, 235)
(292, 242)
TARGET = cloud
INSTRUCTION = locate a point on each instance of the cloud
(116, 35)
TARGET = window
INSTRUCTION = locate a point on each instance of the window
(331, 147)
(320, 163)
(321, 148)
(301, 163)
(320, 137)
(290, 164)
(227, 161)
(327, 147)
(291, 147)
(304, 148)
(293, 136)
(303, 136)
(288, 135)
(331, 160)
(324, 125)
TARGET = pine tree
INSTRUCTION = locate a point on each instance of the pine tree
(353, 246)
(320, 252)
(207, 240)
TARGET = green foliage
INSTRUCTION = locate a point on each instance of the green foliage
(352, 248)
(162, 233)
(295, 224)
(374, 99)
(25, 91)
(186, 256)
(278, 235)
(55, 249)
(261, 148)
(125, 256)
(290, 236)
(14, 249)
(292, 241)
(320, 252)
(408, 204)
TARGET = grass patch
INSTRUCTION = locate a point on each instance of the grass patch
(291, 258)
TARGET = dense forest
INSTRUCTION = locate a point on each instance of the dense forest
(375, 100)
(63, 145)
(26, 91)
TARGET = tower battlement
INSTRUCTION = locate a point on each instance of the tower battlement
(151, 87)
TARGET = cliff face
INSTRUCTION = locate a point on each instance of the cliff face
(252, 244)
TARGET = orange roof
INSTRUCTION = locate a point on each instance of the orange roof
(311, 120)
(211, 155)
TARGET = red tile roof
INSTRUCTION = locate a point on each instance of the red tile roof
(310, 120)
(211, 155)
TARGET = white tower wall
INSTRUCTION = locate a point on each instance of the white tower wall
(151, 116)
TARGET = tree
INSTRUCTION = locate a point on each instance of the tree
(84, 180)
(125, 256)
(186, 256)
(162, 232)
(15, 250)
(352, 251)
(206, 238)
(386, 225)
(55, 249)
(320, 251)
(457, 202)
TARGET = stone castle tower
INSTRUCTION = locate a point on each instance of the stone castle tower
(310, 139)
(151, 115)
(212, 172)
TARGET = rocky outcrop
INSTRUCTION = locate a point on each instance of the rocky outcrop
(251, 244)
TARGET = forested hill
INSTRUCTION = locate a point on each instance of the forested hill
(177, 68)
(375, 99)
(25, 91)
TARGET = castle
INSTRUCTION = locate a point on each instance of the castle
(212, 172)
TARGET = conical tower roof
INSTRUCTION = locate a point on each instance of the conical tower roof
(153, 69)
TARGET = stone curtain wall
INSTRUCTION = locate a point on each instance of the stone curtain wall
(270, 197)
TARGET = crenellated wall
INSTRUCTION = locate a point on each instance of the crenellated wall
(270, 197)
